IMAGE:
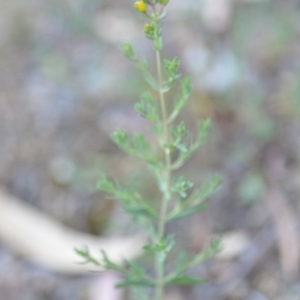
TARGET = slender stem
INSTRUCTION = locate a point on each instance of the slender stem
(167, 178)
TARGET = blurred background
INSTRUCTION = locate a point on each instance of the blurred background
(65, 86)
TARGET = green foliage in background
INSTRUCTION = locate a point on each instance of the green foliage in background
(175, 145)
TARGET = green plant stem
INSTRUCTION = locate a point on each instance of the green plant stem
(167, 178)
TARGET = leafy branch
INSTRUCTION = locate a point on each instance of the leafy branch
(179, 197)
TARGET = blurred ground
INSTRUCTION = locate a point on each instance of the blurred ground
(65, 86)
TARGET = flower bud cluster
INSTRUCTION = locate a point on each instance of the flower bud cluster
(142, 6)
(149, 30)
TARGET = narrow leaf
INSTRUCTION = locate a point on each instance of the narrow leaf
(150, 80)
(185, 280)
(135, 282)
(187, 212)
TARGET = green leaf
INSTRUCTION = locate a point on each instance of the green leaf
(149, 248)
(186, 87)
(129, 52)
(84, 253)
(161, 247)
(187, 212)
(143, 65)
(181, 186)
(137, 146)
(166, 87)
(178, 133)
(171, 68)
(207, 253)
(121, 138)
(211, 185)
(109, 265)
(181, 99)
(132, 202)
(163, 14)
(135, 282)
(204, 129)
(194, 203)
(148, 108)
(106, 186)
(151, 81)
(141, 211)
(185, 280)
(140, 146)
(135, 270)
(180, 263)
(181, 147)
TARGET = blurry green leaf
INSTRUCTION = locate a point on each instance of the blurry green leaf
(140, 145)
(143, 65)
(163, 15)
(181, 186)
(109, 265)
(185, 280)
(121, 138)
(204, 129)
(194, 203)
(84, 253)
(131, 201)
(137, 146)
(181, 147)
(129, 52)
(181, 98)
(181, 263)
(142, 211)
(207, 253)
(186, 88)
(106, 185)
(163, 245)
(178, 133)
(210, 186)
(187, 212)
(151, 81)
(135, 282)
(171, 68)
(147, 108)
(135, 270)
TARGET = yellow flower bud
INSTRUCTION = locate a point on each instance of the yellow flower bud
(149, 31)
(148, 27)
(140, 6)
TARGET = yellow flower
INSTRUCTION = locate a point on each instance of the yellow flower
(140, 6)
